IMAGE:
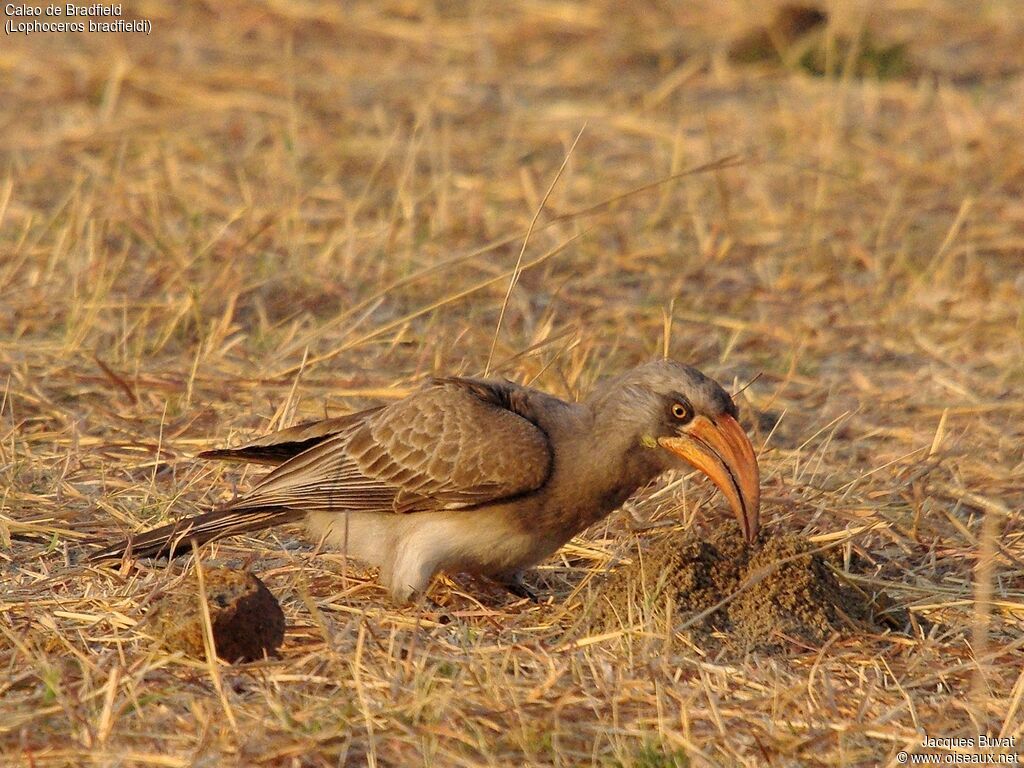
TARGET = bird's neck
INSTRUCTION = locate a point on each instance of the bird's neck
(599, 466)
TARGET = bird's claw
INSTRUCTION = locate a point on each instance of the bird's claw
(518, 587)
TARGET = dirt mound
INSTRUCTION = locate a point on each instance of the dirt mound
(787, 593)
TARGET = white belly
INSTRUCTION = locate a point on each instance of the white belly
(409, 549)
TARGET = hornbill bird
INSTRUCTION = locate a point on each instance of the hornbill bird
(478, 475)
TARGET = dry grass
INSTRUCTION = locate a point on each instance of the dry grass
(266, 212)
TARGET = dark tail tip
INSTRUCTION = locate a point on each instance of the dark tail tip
(168, 541)
(175, 539)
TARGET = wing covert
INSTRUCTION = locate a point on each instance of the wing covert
(452, 444)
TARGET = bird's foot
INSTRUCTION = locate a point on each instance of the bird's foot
(518, 587)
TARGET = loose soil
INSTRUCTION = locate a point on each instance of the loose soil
(782, 591)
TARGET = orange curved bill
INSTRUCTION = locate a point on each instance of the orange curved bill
(721, 450)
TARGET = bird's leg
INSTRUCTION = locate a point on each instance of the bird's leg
(514, 583)
(417, 557)
(407, 585)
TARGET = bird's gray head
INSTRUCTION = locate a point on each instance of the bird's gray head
(685, 418)
(647, 386)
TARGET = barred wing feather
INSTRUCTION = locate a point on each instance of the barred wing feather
(444, 447)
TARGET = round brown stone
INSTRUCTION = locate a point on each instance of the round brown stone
(247, 620)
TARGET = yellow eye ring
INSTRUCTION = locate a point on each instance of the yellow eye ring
(681, 412)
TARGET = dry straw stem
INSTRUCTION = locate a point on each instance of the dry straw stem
(272, 212)
(526, 241)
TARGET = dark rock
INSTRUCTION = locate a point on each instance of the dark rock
(246, 618)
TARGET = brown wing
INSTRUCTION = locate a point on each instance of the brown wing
(453, 444)
(277, 447)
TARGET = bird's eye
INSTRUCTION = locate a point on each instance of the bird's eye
(682, 412)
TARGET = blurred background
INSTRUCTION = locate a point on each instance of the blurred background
(244, 181)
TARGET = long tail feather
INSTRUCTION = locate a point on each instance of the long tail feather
(176, 539)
